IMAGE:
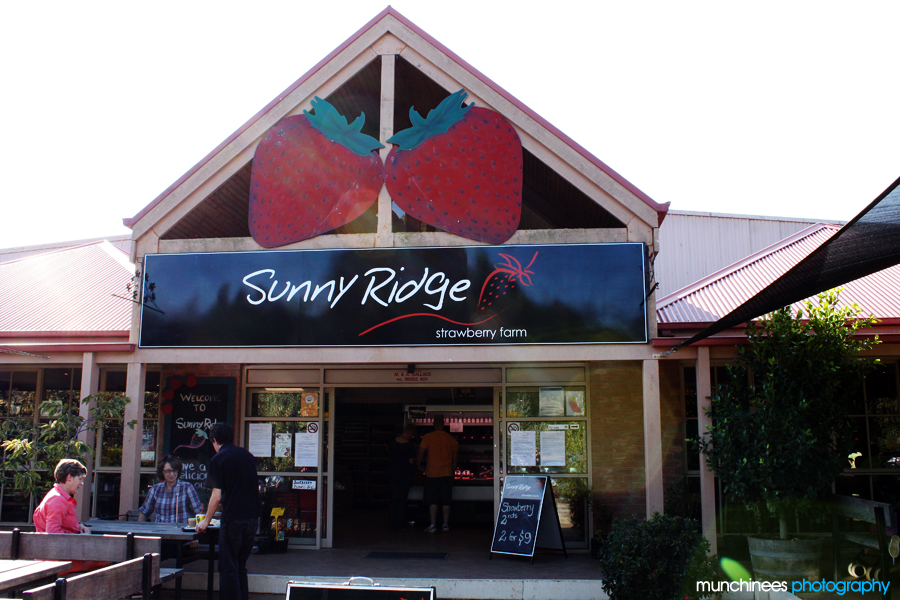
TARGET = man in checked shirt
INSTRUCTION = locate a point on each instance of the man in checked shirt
(172, 500)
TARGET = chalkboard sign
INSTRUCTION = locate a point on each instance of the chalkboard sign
(337, 591)
(522, 516)
(192, 406)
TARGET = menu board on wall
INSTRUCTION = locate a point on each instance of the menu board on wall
(194, 410)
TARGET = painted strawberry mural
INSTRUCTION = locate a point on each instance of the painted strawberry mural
(311, 174)
(460, 170)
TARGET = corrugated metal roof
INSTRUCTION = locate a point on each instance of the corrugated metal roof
(122, 242)
(714, 296)
(693, 244)
(67, 290)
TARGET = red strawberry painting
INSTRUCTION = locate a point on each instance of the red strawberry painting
(496, 291)
(312, 173)
(460, 170)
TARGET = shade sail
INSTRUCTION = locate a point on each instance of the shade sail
(867, 244)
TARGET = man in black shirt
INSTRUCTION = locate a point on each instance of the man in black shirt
(232, 476)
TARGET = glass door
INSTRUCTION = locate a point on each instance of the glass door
(283, 430)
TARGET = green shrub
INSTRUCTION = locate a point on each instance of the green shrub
(700, 568)
(652, 559)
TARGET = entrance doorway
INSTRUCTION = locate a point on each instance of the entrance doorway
(366, 420)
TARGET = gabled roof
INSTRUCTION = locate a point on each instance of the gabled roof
(69, 291)
(122, 242)
(714, 296)
(388, 33)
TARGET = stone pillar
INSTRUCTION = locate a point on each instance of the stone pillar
(90, 385)
(131, 438)
(707, 478)
(652, 438)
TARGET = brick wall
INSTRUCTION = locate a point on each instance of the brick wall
(617, 432)
(617, 436)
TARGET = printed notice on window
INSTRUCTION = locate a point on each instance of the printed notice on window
(523, 449)
(283, 445)
(260, 442)
(552, 402)
(553, 448)
(306, 449)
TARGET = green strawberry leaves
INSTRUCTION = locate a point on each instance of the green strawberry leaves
(439, 120)
(336, 128)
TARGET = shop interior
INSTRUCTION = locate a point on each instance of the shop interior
(365, 420)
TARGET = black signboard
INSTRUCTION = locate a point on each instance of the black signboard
(522, 516)
(190, 414)
(337, 591)
(564, 294)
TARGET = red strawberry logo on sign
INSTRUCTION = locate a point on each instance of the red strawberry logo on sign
(312, 173)
(497, 287)
(460, 170)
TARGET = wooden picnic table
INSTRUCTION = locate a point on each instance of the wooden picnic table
(15, 573)
(171, 532)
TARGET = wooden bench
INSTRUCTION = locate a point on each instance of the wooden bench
(121, 580)
(66, 546)
(875, 513)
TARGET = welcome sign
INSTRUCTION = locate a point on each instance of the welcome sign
(566, 294)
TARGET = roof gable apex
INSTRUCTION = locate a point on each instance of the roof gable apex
(390, 33)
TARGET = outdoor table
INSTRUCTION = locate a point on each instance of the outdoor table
(15, 573)
(174, 533)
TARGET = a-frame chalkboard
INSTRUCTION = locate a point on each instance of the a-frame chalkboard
(523, 516)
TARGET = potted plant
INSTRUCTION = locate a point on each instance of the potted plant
(779, 433)
(30, 452)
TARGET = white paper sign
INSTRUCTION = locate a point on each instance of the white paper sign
(306, 447)
(523, 449)
(282, 445)
(304, 484)
(260, 442)
(552, 402)
(553, 448)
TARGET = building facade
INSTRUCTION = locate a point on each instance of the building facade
(317, 348)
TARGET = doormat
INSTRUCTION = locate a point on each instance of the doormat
(409, 555)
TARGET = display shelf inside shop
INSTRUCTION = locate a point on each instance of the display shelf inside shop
(474, 426)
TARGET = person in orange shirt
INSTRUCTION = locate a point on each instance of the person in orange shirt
(440, 450)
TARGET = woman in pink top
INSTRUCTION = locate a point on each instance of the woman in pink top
(56, 513)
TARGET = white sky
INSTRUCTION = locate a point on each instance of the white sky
(765, 108)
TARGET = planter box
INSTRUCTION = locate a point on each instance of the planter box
(785, 560)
